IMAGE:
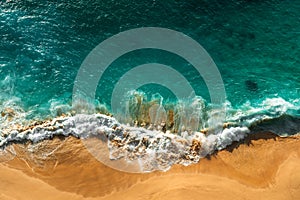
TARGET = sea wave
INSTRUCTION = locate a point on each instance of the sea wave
(152, 149)
(154, 145)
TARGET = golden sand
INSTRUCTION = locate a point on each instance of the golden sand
(264, 166)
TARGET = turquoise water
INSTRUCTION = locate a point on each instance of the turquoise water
(255, 45)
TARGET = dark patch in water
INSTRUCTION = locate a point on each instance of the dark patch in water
(251, 85)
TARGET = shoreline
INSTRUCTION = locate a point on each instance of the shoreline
(262, 165)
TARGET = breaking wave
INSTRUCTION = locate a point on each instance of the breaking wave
(150, 139)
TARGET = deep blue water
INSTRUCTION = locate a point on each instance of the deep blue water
(255, 45)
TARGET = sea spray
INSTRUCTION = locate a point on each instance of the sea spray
(137, 109)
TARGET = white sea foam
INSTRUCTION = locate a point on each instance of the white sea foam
(161, 151)
(269, 108)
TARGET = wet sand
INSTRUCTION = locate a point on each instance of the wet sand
(263, 166)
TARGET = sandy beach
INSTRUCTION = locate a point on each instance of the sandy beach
(263, 166)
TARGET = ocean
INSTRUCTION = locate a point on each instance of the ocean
(254, 46)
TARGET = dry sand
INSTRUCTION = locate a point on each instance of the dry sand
(261, 167)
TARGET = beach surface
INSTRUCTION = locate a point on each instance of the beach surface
(263, 166)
